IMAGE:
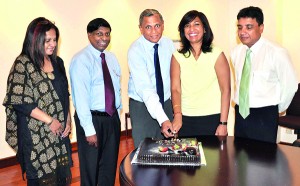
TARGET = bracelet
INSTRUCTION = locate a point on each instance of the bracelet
(177, 113)
(223, 123)
(50, 122)
(176, 106)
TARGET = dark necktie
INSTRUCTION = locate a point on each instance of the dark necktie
(108, 88)
(159, 82)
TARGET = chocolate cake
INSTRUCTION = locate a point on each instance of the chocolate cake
(183, 152)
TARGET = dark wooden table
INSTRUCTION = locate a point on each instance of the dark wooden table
(230, 161)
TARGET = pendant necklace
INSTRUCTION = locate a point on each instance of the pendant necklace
(50, 75)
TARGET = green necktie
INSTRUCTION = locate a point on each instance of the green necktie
(244, 87)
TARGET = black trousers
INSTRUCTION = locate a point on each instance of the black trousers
(98, 165)
(143, 125)
(261, 124)
(199, 125)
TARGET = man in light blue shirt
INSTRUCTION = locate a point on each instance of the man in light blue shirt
(149, 118)
(97, 127)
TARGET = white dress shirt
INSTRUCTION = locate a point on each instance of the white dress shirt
(273, 80)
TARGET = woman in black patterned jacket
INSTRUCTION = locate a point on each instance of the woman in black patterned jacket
(37, 108)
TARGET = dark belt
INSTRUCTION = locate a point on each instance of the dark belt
(98, 113)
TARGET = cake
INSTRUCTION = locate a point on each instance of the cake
(184, 152)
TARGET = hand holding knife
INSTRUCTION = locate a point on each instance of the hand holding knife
(175, 134)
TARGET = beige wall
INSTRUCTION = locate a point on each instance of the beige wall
(71, 17)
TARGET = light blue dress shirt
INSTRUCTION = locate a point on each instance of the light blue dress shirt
(88, 84)
(142, 82)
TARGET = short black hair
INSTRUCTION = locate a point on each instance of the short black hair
(252, 12)
(96, 23)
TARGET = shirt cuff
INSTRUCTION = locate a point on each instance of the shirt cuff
(89, 130)
(161, 116)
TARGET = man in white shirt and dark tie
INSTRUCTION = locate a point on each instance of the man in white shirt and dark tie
(265, 79)
(149, 59)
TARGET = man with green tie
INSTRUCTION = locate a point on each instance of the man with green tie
(265, 79)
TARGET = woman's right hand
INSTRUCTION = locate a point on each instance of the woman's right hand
(177, 122)
(56, 127)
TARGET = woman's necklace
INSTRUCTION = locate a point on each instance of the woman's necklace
(50, 75)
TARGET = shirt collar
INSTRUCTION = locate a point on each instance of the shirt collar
(256, 47)
(95, 51)
(149, 44)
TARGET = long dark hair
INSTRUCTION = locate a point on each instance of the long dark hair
(37, 52)
(29, 35)
(208, 36)
(34, 42)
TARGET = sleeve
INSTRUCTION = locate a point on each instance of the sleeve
(25, 109)
(19, 92)
(143, 85)
(287, 78)
(119, 81)
(19, 87)
(80, 82)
